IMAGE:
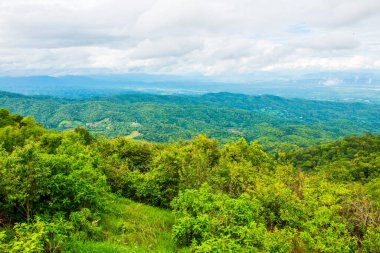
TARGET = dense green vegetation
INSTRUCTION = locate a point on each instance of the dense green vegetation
(73, 192)
(276, 123)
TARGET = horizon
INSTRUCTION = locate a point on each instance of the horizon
(330, 86)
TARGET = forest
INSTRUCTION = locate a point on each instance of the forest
(277, 123)
(73, 191)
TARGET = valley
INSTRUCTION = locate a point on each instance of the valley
(275, 122)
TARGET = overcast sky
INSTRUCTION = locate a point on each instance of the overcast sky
(206, 37)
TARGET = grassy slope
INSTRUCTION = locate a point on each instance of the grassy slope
(132, 227)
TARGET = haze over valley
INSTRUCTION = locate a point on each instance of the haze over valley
(332, 86)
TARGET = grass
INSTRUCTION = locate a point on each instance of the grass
(132, 227)
(134, 134)
(69, 124)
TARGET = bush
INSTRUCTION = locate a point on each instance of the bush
(37, 236)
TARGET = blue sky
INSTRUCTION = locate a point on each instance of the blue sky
(182, 37)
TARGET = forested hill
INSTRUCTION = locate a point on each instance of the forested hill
(273, 121)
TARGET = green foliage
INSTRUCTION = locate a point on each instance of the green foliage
(371, 242)
(326, 233)
(28, 238)
(86, 137)
(349, 159)
(7, 119)
(66, 192)
(17, 130)
(217, 223)
(36, 182)
(85, 224)
(238, 166)
(295, 211)
(198, 160)
(47, 180)
(278, 124)
(38, 236)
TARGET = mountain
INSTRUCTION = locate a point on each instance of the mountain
(273, 121)
(332, 86)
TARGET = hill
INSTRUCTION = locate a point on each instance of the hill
(273, 121)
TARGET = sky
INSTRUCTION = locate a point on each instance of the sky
(187, 37)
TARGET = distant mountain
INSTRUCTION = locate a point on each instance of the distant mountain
(332, 86)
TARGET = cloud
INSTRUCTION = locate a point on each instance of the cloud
(164, 47)
(330, 41)
(331, 63)
(349, 12)
(331, 82)
(187, 36)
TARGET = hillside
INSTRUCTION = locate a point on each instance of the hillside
(273, 121)
(73, 192)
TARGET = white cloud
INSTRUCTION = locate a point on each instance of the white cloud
(165, 47)
(332, 82)
(329, 41)
(333, 63)
(187, 36)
